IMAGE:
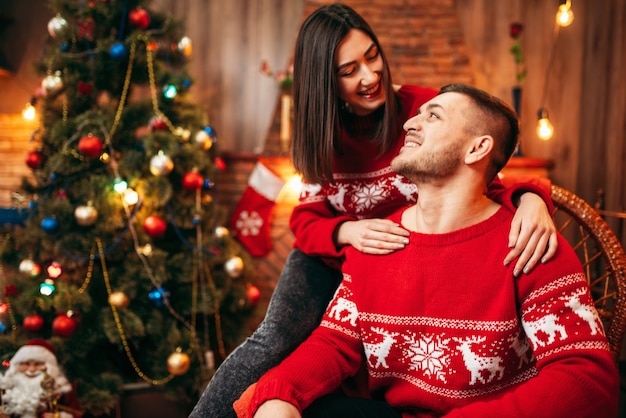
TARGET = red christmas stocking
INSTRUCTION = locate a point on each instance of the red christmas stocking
(250, 221)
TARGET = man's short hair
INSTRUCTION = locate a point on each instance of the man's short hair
(494, 117)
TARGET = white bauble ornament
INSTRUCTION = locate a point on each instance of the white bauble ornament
(52, 83)
(56, 26)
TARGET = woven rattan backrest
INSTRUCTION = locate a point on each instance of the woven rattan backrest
(602, 257)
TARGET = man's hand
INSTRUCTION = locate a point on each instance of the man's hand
(276, 408)
(373, 236)
(533, 235)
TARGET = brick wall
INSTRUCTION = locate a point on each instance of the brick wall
(15, 134)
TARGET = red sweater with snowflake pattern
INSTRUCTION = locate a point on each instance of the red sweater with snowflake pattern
(446, 331)
(367, 187)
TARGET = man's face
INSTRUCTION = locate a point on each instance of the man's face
(435, 140)
(31, 368)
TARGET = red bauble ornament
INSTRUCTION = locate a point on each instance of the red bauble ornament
(154, 226)
(139, 18)
(64, 325)
(193, 180)
(33, 323)
(157, 123)
(253, 294)
(90, 146)
(34, 159)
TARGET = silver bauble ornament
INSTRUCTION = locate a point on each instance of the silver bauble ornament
(85, 215)
(56, 26)
(161, 164)
(26, 266)
(234, 267)
(52, 83)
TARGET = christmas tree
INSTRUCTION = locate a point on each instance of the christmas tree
(123, 261)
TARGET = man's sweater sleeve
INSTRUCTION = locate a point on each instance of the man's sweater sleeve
(576, 374)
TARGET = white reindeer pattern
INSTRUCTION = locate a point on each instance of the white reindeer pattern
(585, 312)
(337, 199)
(475, 364)
(380, 350)
(547, 325)
(342, 305)
(408, 190)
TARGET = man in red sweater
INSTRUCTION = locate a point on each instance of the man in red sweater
(442, 326)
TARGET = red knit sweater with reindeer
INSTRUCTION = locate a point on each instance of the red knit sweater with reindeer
(445, 330)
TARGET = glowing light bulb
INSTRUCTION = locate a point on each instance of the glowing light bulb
(120, 185)
(131, 197)
(170, 91)
(29, 112)
(545, 130)
(47, 287)
(565, 16)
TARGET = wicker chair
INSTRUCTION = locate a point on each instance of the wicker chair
(603, 259)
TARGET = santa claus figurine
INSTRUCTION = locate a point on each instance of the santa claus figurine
(34, 386)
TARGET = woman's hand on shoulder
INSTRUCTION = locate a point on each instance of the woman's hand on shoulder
(372, 236)
(533, 236)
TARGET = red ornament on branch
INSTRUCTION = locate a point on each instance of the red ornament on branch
(90, 146)
(139, 18)
(253, 294)
(33, 323)
(64, 325)
(154, 226)
(193, 180)
(34, 160)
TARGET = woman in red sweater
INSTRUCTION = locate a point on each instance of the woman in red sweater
(348, 120)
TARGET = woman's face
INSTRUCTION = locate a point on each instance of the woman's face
(359, 70)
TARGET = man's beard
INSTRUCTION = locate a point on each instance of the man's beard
(430, 166)
(24, 397)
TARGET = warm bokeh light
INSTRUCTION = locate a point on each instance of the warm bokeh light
(545, 130)
(565, 16)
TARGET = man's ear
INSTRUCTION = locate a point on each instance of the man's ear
(480, 148)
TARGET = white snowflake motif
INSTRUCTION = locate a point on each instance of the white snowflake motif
(368, 196)
(249, 223)
(428, 353)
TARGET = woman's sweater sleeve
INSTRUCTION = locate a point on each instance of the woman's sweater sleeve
(314, 222)
(508, 192)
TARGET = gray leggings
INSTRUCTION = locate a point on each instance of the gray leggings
(305, 288)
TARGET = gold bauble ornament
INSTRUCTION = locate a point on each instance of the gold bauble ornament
(234, 266)
(85, 215)
(178, 363)
(119, 299)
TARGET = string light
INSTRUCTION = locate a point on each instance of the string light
(545, 130)
(131, 197)
(120, 186)
(29, 112)
(565, 16)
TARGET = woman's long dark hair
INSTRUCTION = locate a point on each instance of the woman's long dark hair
(317, 106)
